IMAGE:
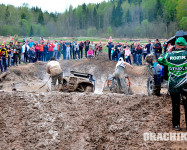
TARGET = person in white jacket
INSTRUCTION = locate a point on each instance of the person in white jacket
(119, 75)
(53, 68)
(25, 49)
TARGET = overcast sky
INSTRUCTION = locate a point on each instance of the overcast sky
(50, 5)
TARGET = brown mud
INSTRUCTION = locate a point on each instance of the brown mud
(36, 119)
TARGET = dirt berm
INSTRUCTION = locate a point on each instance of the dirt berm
(31, 119)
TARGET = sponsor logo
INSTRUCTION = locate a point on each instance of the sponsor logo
(177, 68)
(177, 57)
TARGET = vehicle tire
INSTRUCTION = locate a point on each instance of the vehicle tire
(89, 89)
(152, 89)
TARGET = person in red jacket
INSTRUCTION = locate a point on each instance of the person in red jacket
(37, 51)
(51, 49)
(41, 46)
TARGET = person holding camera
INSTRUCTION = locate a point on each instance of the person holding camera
(176, 61)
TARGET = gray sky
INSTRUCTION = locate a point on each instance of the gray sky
(50, 5)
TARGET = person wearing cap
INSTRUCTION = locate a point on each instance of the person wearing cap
(177, 73)
(4, 57)
(119, 75)
(53, 68)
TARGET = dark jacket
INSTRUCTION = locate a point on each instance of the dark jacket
(158, 48)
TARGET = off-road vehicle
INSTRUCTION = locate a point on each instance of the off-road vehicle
(78, 82)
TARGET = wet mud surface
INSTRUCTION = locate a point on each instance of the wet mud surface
(36, 119)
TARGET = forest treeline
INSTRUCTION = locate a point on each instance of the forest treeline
(119, 18)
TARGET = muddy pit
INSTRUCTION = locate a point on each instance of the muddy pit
(37, 119)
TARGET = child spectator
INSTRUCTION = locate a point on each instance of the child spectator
(90, 53)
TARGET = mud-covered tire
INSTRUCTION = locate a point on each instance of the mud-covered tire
(152, 89)
(88, 89)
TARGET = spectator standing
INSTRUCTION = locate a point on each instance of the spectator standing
(31, 43)
(64, 50)
(41, 46)
(92, 46)
(60, 48)
(1, 59)
(76, 50)
(25, 49)
(148, 46)
(152, 50)
(139, 51)
(31, 54)
(115, 53)
(164, 45)
(86, 44)
(158, 49)
(45, 56)
(4, 57)
(55, 54)
(127, 54)
(72, 53)
(9, 55)
(110, 45)
(81, 46)
(100, 47)
(144, 51)
(37, 51)
(96, 49)
(51, 49)
(133, 52)
(18, 50)
(118, 51)
(122, 51)
(68, 49)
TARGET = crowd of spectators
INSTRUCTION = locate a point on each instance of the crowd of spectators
(29, 51)
(133, 53)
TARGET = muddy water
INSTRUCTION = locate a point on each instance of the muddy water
(32, 76)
